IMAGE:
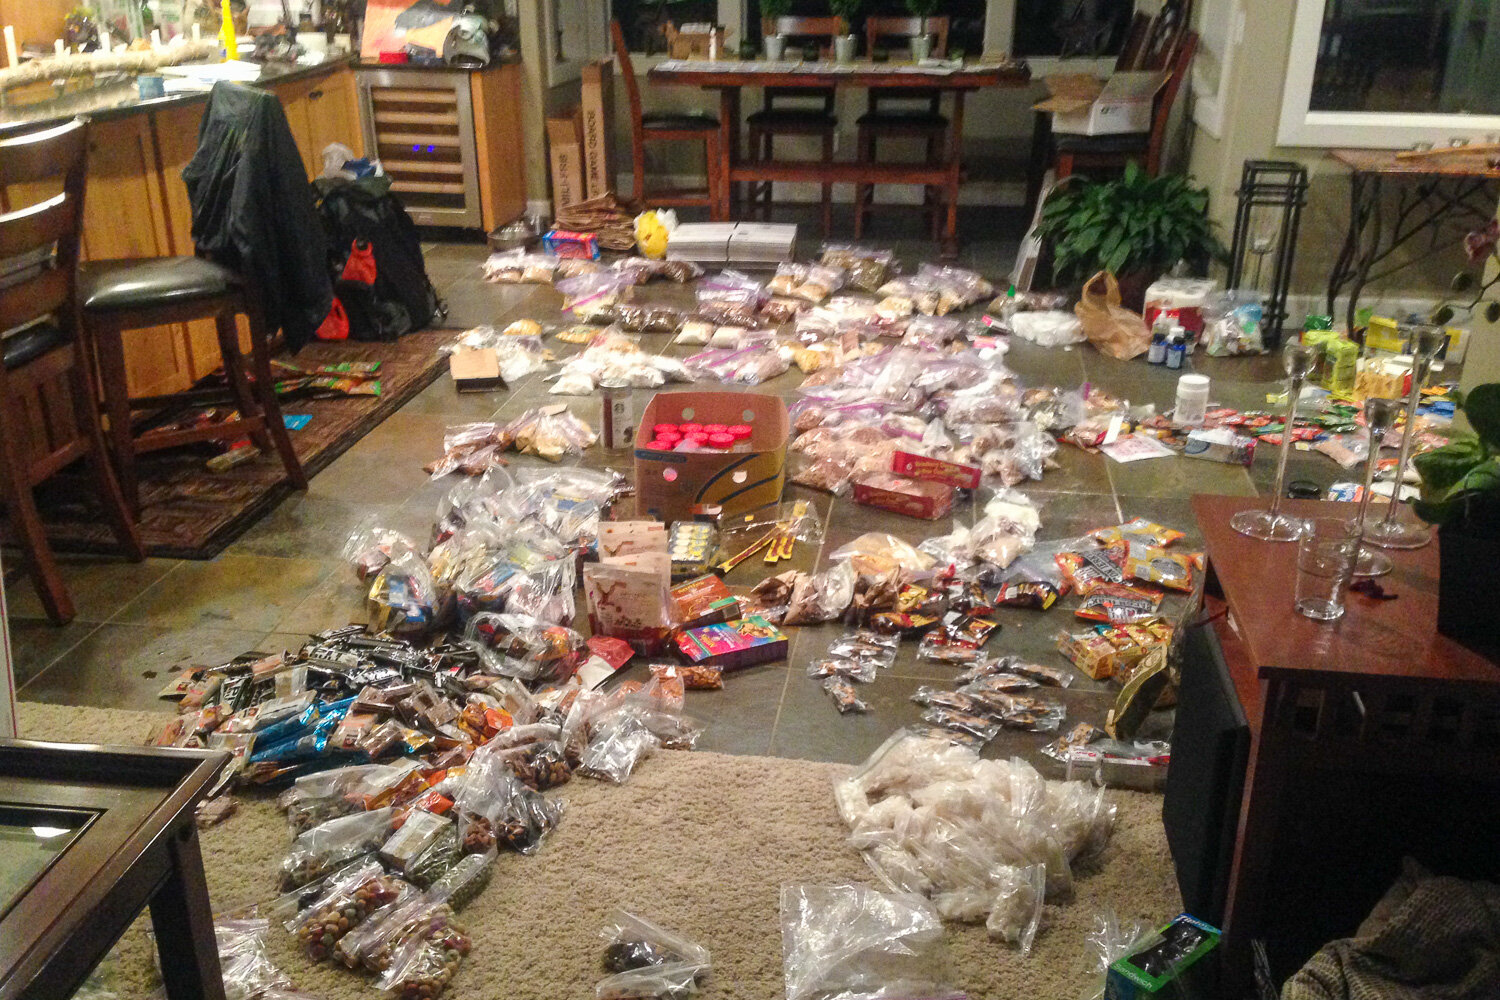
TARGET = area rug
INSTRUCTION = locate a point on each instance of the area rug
(189, 512)
(700, 842)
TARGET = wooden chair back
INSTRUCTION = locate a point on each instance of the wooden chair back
(39, 242)
(878, 27)
(1164, 37)
(1135, 42)
(802, 27)
(632, 87)
(1166, 97)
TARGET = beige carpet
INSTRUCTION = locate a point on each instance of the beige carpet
(700, 842)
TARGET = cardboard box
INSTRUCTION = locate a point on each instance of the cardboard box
(475, 370)
(704, 600)
(935, 470)
(565, 147)
(1165, 968)
(670, 484)
(598, 127)
(1084, 105)
(911, 497)
(732, 645)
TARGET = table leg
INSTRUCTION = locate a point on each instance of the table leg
(729, 145)
(184, 924)
(955, 175)
(1367, 248)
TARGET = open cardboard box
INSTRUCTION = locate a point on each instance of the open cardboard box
(1085, 105)
(669, 483)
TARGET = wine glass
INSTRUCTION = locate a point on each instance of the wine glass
(1388, 532)
(1297, 360)
(1262, 242)
(1380, 417)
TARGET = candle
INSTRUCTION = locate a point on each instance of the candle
(197, 32)
(156, 38)
(58, 47)
(12, 58)
(105, 44)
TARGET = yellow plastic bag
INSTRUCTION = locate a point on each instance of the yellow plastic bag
(1110, 327)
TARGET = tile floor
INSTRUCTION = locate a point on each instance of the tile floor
(137, 624)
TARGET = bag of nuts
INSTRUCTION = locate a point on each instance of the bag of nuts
(425, 961)
(346, 905)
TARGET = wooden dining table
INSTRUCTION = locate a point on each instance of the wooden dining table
(730, 78)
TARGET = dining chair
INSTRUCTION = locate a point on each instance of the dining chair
(906, 113)
(48, 418)
(804, 111)
(151, 294)
(1113, 152)
(646, 128)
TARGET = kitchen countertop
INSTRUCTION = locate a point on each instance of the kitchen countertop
(116, 100)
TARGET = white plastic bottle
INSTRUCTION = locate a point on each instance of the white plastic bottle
(1192, 401)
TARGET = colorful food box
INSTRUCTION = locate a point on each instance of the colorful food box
(735, 644)
(935, 470)
(911, 497)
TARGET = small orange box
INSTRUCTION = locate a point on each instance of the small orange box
(911, 497)
(935, 470)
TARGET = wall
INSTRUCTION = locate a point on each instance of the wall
(35, 20)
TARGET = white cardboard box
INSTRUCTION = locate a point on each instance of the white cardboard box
(1123, 104)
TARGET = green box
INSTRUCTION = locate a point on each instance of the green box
(1161, 969)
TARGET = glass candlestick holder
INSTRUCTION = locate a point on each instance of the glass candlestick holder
(1389, 532)
(1297, 360)
(1380, 417)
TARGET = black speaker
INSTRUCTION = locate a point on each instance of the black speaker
(1210, 749)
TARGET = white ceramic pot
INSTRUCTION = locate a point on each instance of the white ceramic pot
(921, 47)
(845, 48)
(775, 47)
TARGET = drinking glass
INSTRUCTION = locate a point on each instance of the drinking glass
(1380, 416)
(1388, 532)
(1325, 566)
(1297, 360)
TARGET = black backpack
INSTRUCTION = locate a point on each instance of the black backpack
(402, 299)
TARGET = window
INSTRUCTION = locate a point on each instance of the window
(642, 20)
(1381, 74)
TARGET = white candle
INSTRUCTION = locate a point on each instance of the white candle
(197, 32)
(105, 44)
(156, 38)
(58, 47)
(12, 58)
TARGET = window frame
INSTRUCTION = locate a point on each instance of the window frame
(1300, 126)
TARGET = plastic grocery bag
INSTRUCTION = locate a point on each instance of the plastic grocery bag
(1110, 327)
(851, 940)
(645, 960)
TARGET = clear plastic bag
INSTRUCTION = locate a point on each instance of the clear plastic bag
(331, 845)
(369, 547)
(525, 648)
(859, 671)
(507, 814)
(821, 597)
(550, 432)
(517, 266)
(647, 960)
(868, 268)
(247, 968)
(1048, 328)
(620, 741)
(344, 907)
(853, 941)
(403, 598)
(426, 960)
(1016, 912)
(845, 698)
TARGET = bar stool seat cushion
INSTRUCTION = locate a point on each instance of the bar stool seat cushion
(679, 123)
(30, 344)
(1127, 142)
(793, 118)
(146, 283)
(903, 119)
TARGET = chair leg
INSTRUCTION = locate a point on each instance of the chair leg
(234, 371)
(81, 385)
(767, 188)
(864, 194)
(638, 167)
(712, 165)
(21, 506)
(931, 194)
(109, 343)
(827, 188)
(265, 394)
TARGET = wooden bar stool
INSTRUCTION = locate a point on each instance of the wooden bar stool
(47, 414)
(776, 117)
(914, 113)
(120, 295)
(667, 128)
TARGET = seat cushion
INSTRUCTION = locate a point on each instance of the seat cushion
(903, 119)
(30, 344)
(1129, 142)
(772, 118)
(144, 283)
(679, 122)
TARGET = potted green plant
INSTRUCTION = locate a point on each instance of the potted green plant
(1461, 495)
(921, 43)
(845, 45)
(771, 11)
(1137, 227)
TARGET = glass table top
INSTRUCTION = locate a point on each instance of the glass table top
(30, 840)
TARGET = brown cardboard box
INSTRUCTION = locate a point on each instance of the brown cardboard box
(670, 484)
(565, 145)
(598, 127)
(475, 370)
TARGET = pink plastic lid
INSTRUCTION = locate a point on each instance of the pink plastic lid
(661, 429)
(715, 429)
(697, 437)
(740, 431)
(670, 434)
(659, 445)
(689, 428)
(720, 440)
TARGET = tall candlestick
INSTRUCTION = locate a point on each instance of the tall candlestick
(12, 58)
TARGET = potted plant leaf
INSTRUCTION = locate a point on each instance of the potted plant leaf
(1461, 495)
(1137, 227)
(921, 43)
(845, 45)
(771, 12)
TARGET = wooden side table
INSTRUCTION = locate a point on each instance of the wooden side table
(1370, 737)
(88, 836)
